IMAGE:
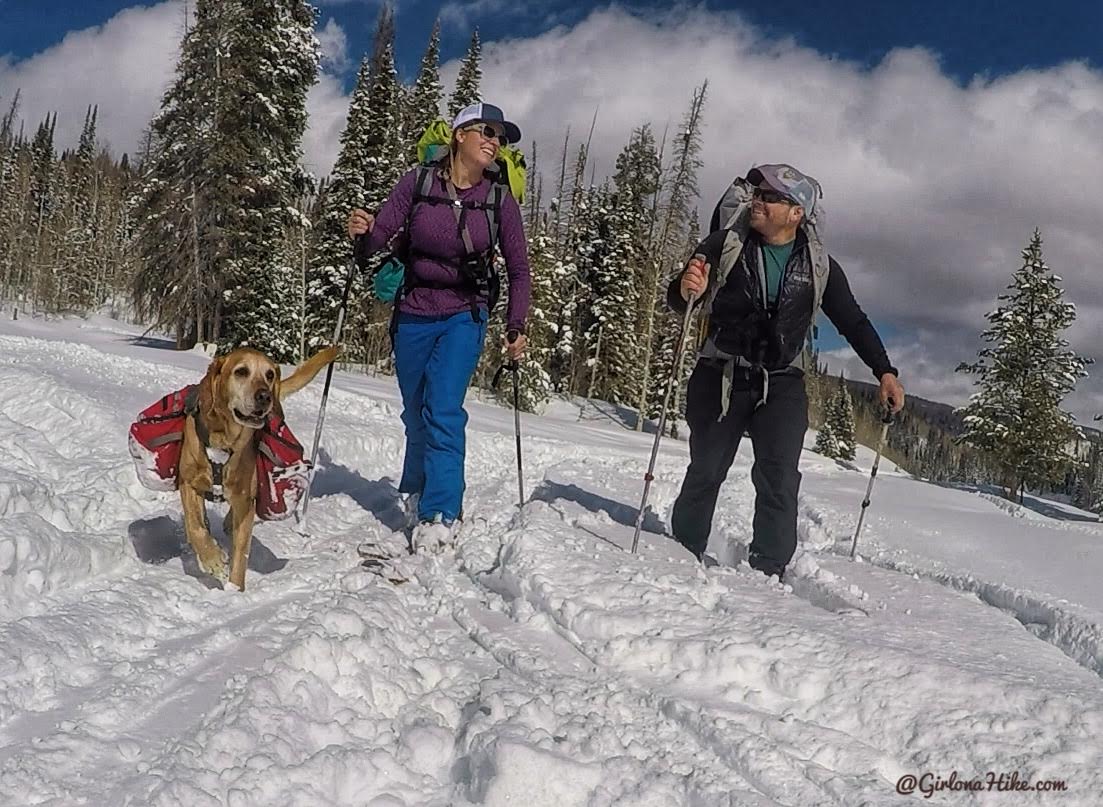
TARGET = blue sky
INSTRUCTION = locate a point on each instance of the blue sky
(943, 132)
(992, 37)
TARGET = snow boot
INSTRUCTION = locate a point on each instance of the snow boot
(431, 536)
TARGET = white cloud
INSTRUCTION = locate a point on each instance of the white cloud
(124, 66)
(327, 107)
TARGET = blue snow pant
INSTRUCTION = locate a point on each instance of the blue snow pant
(435, 358)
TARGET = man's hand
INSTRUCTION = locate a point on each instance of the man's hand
(360, 222)
(695, 279)
(514, 343)
(892, 393)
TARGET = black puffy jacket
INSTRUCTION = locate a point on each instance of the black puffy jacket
(742, 324)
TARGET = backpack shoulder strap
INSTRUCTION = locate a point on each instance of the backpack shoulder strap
(821, 263)
(424, 183)
(493, 212)
(734, 240)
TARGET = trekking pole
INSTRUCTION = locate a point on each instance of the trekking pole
(329, 378)
(514, 368)
(886, 421)
(675, 373)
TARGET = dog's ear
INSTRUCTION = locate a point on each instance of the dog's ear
(208, 384)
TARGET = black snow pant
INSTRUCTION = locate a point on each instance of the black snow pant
(777, 433)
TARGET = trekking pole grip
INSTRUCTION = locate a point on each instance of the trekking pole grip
(511, 336)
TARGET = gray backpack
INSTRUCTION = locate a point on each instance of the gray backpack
(733, 213)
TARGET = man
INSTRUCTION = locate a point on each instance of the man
(772, 275)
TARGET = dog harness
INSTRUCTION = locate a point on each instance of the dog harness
(216, 457)
(157, 437)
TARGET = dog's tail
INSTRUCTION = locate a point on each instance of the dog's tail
(306, 371)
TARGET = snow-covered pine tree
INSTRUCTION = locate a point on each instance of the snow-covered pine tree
(77, 281)
(610, 336)
(667, 244)
(43, 196)
(423, 101)
(1015, 416)
(384, 149)
(842, 420)
(275, 63)
(466, 91)
(384, 154)
(342, 191)
(13, 161)
(576, 257)
(184, 192)
(826, 443)
(636, 183)
(534, 380)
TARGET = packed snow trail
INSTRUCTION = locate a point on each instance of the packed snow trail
(539, 662)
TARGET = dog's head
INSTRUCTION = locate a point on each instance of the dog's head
(245, 384)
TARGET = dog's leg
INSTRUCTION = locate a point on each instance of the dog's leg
(212, 559)
(242, 514)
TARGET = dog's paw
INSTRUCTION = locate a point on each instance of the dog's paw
(331, 353)
(217, 565)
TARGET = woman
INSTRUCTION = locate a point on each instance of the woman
(442, 315)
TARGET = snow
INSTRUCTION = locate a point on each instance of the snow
(538, 663)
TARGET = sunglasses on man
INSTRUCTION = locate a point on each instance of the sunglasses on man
(488, 132)
(772, 197)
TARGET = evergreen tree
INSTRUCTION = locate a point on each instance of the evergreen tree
(836, 435)
(612, 290)
(423, 102)
(44, 199)
(343, 191)
(184, 193)
(534, 380)
(468, 80)
(77, 284)
(276, 56)
(842, 421)
(666, 250)
(826, 443)
(576, 255)
(384, 149)
(1016, 417)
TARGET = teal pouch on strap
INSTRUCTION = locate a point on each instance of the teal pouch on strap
(388, 280)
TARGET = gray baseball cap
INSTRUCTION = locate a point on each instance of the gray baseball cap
(487, 113)
(801, 188)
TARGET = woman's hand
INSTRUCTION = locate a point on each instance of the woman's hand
(514, 343)
(360, 222)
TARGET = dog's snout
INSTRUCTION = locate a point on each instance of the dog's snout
(262, 398)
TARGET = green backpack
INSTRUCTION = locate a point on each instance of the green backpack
(391, 281)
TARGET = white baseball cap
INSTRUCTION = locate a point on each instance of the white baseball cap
(487, 113)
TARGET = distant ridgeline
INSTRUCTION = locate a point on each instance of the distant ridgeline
(922, 440)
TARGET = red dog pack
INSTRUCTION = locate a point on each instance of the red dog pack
(157, 437)
(283, 475)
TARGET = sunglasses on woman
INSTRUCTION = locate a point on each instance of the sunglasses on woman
(772, 197)
(488, 132)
